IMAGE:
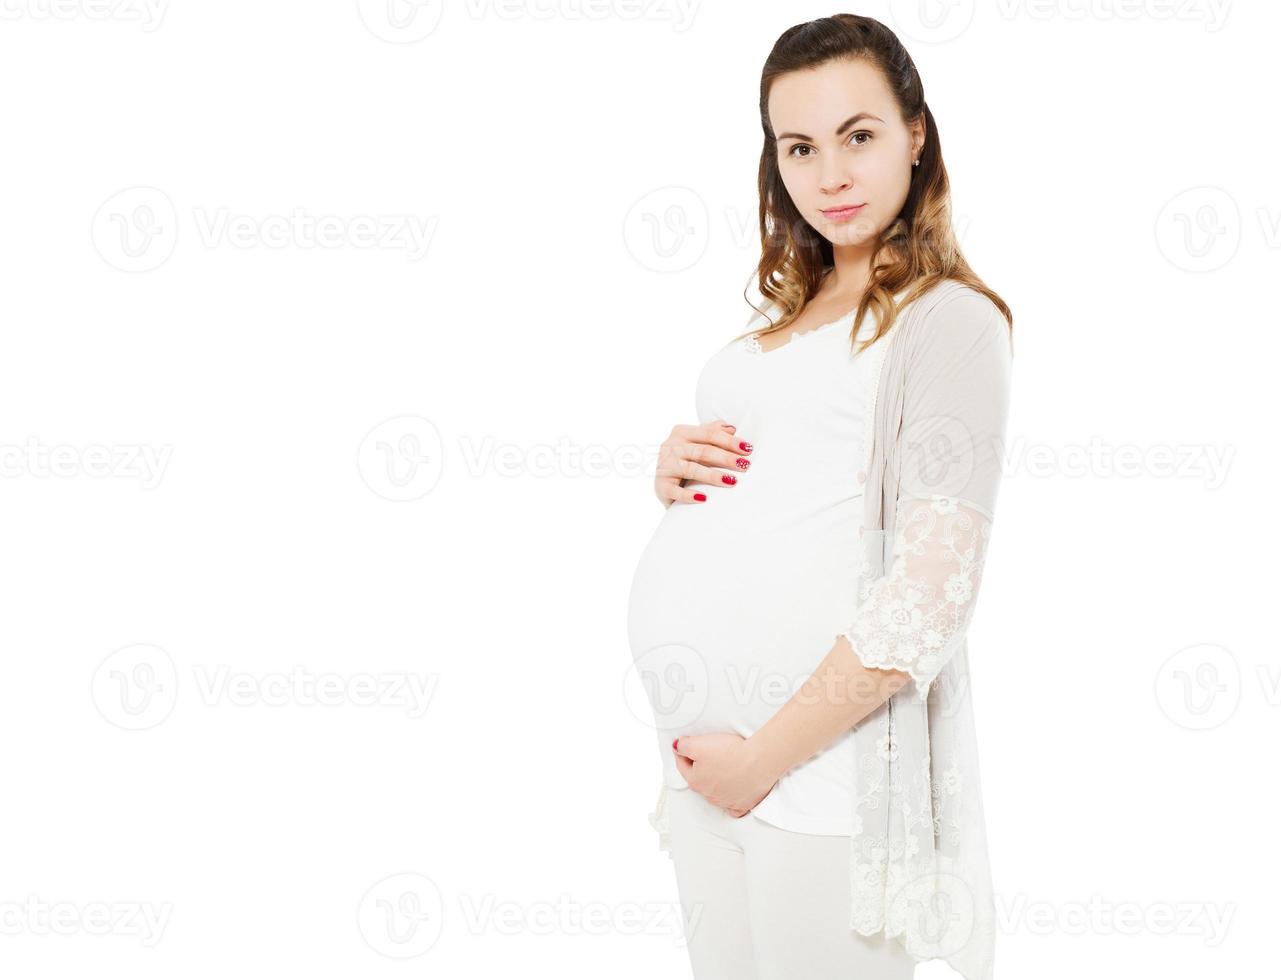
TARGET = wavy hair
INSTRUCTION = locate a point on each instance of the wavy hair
(917, 249)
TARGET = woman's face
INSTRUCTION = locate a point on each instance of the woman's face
(841, 142)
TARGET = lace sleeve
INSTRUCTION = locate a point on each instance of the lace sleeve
(916, 615)
(950, 450)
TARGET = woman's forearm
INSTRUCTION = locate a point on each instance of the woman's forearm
(835, 698)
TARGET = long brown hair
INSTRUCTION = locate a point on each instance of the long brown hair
(918, 249)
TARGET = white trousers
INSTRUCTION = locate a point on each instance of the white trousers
(763, 903)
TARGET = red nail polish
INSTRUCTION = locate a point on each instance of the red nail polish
(674, 741)
(700, 496)
(745, 446)
(742, 464)
(728, 478)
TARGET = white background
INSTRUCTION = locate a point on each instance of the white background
(368, 467)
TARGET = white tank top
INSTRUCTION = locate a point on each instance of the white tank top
(737, 600)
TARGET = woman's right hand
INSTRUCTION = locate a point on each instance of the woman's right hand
(705, 454)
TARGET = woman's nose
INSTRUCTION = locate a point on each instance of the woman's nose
(835, 183)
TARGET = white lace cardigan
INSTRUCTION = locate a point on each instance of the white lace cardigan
(936, 427)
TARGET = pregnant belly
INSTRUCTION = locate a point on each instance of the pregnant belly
(726, 622)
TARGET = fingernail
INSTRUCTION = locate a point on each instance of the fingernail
(745, 446)
(729, 478)
(700, 496)
(674, 741)
(742, 464)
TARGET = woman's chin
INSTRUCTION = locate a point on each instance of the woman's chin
(854, 233)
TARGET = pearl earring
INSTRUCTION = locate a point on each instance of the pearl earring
(916, 163)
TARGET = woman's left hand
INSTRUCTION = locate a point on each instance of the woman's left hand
(722, 769)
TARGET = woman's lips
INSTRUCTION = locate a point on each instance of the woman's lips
(843, 213)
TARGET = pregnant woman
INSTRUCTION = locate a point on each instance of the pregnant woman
(799, 617)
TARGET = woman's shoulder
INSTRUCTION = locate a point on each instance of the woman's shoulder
(959, 309)
(954, 295)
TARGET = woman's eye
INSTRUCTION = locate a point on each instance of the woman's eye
(805, 146)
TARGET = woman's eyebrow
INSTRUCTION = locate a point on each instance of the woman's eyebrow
(839, 129)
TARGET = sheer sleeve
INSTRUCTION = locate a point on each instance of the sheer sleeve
(950, 450)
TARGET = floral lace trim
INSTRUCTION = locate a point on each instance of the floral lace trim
(753, 344)
(918, 864)
(903, 883)
(915, 617)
